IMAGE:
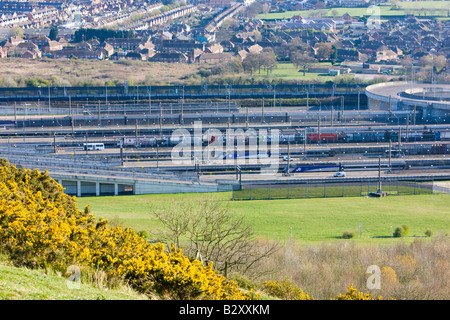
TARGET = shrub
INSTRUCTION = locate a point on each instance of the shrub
(348, 235)
(401, 231)
(41, 226)
(429, 233)
(405, 230)
(354, 294)
(285, 290)
(398, 232)
(143, 234)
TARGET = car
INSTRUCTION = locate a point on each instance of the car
(285, 158)
(339, 174)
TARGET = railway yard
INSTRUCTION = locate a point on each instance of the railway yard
(222, 143)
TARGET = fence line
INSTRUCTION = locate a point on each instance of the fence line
(337, 189)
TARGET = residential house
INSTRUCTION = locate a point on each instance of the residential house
(107, 49)
(31, 54)
(128, 44)
(214, 48)
(347, 17)
(430, 42)
(241, 54)
(178, 45)
(63, 41)
(52, 46)
(10, 45)
(227, 45)
(147, 53)
(347, 44)
(40, 40)
(23, 47)
(68, 53)
(3, 53)
(214, 57)
(94, 43)
(419, 53)
(165, 35)
(179, 28)
(83, 45)
(134, 56)
(256, 48)
(15, 40)
(8, 48)
(118, 55)
(385, 54)
(169, 57)
(349, 55)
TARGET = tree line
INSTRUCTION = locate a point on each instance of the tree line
(85, 34)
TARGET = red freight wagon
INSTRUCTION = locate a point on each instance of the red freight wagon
(314, 137)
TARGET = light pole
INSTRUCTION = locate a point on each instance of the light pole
(379, 175)
(392, 235)
(49, 105)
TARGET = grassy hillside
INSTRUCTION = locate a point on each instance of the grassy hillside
(33, 284)
(41, 227)
(62, 72)
(312, 220)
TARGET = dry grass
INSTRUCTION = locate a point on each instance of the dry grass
(415, 271)
(96, 72)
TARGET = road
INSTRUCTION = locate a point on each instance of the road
(320, 175)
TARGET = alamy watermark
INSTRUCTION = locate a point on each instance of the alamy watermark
(74, 280)
(374, 280)
(373, 21)
(232, 147)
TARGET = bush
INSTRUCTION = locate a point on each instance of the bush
(353, 294)
(143, 234)
(285, 290)
(348, 235)
(401, 231)
(429, 233)
(40, 226)
(405, 230)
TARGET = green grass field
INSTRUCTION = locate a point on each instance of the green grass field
(312, 220)
(327, 191)
(419, 8)
(288, 71)
(20, 283)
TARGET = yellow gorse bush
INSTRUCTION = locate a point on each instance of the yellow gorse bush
(40, 226)
(354, 294)
(285, 290)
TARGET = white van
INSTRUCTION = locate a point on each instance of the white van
(93, 146)
(339, 174)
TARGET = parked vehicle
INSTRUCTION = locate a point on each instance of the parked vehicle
(93, 146)
(339, 174)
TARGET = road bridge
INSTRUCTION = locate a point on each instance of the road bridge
(107, 94)
(84, 177)
(430, 100)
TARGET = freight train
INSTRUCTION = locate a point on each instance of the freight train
(295, 136)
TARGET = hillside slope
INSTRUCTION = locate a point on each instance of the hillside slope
(27, 284)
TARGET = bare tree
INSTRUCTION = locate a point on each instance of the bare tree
(434, 62)
(268, 60)
(251, 62)
(324, 50)
(205, 230)
(302, 60)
